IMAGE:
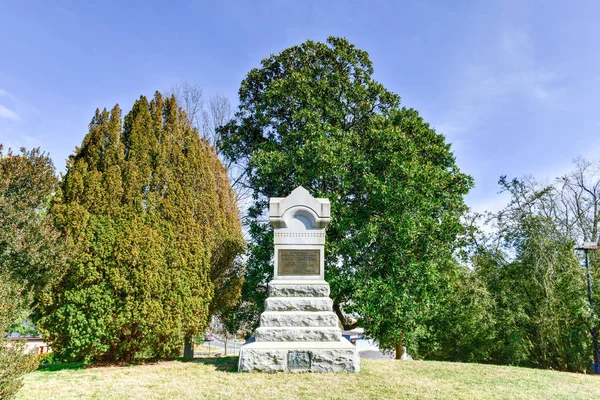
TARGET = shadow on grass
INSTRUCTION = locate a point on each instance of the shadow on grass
(60, 366)
(223, 364)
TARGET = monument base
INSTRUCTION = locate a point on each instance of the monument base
(339, 356)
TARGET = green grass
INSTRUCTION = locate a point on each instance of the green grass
(216, 378)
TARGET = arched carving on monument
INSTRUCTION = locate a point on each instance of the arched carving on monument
(307, 216)
(317, 211)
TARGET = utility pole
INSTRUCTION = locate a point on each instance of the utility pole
(587, 246)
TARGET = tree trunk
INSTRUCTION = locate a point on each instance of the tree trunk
(188, 348)
(345, 323)
(225, 342)
(399, 351)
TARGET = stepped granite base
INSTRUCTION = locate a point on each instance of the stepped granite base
(298, 332)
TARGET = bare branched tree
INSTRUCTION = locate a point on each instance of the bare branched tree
(217, 115)
(578, 200)
(572, 201)
(207, 119)
(189, 97)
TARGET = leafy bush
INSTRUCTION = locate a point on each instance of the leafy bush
(14, 361)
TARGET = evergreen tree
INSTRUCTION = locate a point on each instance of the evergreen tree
(147, 206)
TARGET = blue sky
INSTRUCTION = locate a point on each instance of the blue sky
(513, 85)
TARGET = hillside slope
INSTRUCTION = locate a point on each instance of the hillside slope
(216, 378)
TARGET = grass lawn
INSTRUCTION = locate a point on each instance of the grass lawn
(216, 378)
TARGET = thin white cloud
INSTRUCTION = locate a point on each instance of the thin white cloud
(8, 114)
(15, 142)
(493, 204)
(522, 73)
(508, 69)
(550, 174)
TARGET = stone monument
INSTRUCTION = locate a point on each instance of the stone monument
(298, 331)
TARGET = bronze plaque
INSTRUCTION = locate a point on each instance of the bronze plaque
(298, 360)
(299, 262)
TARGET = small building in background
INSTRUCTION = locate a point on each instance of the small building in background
(35, 344)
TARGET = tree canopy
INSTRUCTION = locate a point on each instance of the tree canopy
(522, 301)
(148, 209)
(314, 116)
(31, 251)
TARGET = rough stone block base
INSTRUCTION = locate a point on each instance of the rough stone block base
(339, 356)
(295, 334)
(292, 288)
(298, 304)
(299, 318)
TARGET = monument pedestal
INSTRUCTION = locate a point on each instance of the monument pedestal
(299, 332)
(299, 357)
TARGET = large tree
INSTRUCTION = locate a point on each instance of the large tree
(148, 209)
(314, 116)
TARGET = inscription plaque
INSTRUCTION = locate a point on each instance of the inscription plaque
(299, 262)
(298, 360)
